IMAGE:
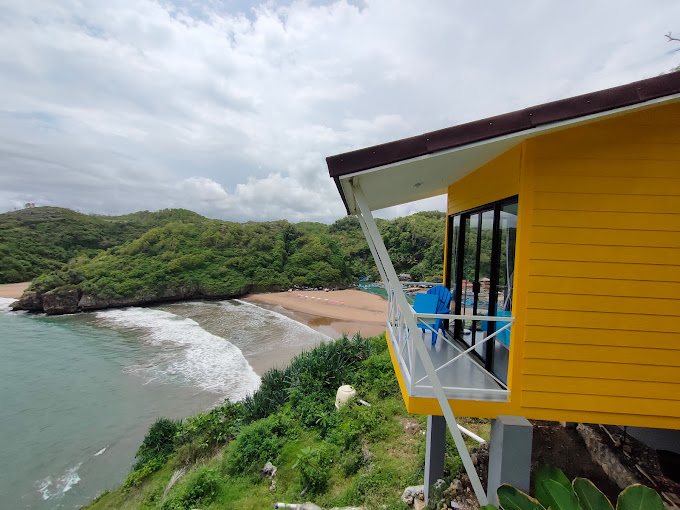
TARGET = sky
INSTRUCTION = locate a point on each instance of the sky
(229, 108)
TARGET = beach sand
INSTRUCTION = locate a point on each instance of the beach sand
(333, 313)
(13, 290)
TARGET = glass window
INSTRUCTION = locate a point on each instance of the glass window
(481, 271)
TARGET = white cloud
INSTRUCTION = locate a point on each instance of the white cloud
(126, 105)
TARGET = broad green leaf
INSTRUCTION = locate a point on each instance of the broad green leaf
(488, 507)
(545, 472)
(554, 495)
(512, 499)
(639, 497)
(589, 496)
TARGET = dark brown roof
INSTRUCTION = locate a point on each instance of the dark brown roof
(464, 134)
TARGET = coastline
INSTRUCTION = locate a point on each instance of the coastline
(13, 290)
(332, 313)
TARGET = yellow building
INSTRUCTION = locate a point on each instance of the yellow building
(562, 254)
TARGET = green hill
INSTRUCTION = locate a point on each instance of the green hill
(88, 262)
(40, 239)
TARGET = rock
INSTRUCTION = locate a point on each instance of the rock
(310, 506)
(90, 302)
(456, 485)
(439, 484)
(411, 426)
(60, 301)
(418, 504)
(269, 470)
(474, 459)
(411, 493)
(366, 454)
(31, 301)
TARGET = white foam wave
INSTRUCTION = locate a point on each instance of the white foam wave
(49, 488)
(101, 451)
(293, 326)
(189, 352)
(4, 304)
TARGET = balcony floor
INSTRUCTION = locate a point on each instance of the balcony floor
(463, 379)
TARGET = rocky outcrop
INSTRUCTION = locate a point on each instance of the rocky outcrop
(60, 301)
(90, 302)
(70, 300)
(31, 301)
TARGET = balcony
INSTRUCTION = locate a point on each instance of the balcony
(460, 375)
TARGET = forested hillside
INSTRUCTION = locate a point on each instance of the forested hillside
(95, 262)
(40, 239)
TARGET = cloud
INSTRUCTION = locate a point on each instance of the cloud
(230, 110)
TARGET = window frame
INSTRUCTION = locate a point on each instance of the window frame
(457, 266)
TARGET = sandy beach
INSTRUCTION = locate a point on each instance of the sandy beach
(13, 290)
(333, 313)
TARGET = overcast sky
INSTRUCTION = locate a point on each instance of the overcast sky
(229, 108)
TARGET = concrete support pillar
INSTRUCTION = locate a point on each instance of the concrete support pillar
(509, 454)
(435, 447)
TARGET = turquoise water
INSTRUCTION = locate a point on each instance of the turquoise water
(79, 392)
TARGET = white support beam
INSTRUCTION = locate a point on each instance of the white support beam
(420, 348)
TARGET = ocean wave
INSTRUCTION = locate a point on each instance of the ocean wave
(101, 451)
(188, 352)
(4, 304)
(49, 487)
(292, 328)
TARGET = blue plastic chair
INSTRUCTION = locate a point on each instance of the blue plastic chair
(437, 300)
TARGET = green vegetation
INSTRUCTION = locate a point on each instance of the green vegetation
(40, 239)
(554, 490)
(176, 254)
(352, 456)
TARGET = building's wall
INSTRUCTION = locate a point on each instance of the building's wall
(597, 290)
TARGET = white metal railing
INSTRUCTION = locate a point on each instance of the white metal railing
(401, 321)
(402, 339)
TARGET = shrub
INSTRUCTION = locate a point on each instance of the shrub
(201, 487)
(139, 474)
(258, 443)
(271, 395)
(313, 465)
(159, 442)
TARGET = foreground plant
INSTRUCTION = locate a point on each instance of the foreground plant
(555, 492)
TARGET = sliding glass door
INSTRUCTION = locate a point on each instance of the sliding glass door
(481, 255)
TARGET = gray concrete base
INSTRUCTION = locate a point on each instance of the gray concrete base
(435, 447)
(509, 454)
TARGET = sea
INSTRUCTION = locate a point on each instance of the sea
(79, 392)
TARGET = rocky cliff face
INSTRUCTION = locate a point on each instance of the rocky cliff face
(71, 300)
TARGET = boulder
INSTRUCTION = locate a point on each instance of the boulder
(412, 493)
(60, 301)
(269, 470)
(31, 301)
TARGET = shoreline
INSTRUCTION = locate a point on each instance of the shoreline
(332, 313)
(13, 290)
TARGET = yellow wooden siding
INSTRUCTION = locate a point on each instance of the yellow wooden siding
(597, 277)
(603, 301)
